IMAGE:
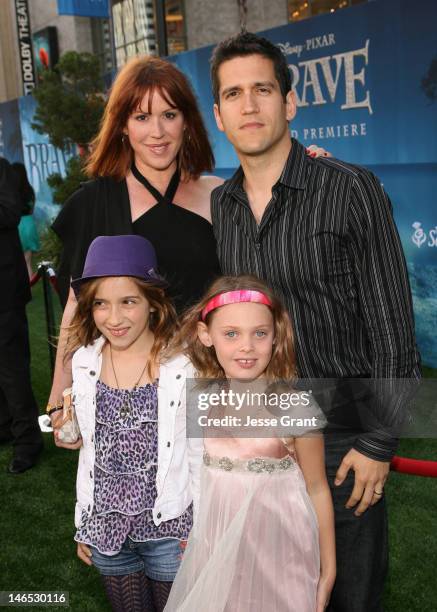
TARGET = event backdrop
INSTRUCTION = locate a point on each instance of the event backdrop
(365, 80)
(20, 142)
(360, 77)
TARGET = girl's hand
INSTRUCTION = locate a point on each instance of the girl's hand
(61, 444)
(315, 151)
(324, 589)
(84, 553)
(182, 546)
(56, 419)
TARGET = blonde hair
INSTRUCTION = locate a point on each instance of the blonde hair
(282, 365)
(83, 331)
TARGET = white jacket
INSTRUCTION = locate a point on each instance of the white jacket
(179, 458)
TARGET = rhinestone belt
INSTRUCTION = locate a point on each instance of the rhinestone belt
(258, 464)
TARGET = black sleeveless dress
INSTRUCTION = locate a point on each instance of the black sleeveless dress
(184, 244)
(184, 241)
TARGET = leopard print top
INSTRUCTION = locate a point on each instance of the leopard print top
(126, 443)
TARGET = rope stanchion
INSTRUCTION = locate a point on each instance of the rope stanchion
(414, 467)
(48, 276)
(52, 277)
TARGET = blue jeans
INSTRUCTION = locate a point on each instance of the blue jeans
(159, 559)
(361, 542)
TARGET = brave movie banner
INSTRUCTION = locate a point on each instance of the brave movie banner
(365, 79)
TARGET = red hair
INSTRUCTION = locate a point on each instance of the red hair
(111, 153)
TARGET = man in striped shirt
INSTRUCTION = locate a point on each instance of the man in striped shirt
(321, 232)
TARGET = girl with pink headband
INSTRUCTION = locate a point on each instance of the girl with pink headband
(264, 536)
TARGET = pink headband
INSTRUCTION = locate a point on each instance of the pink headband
(235, 297)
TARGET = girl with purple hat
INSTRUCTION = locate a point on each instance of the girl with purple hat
(137, 475)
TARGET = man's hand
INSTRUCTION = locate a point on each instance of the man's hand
(182, 546)
(370, 477)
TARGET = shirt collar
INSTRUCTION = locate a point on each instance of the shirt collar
(293, 175)
(235, 183)
(88, 357)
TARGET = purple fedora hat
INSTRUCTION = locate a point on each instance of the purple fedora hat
(120, 256)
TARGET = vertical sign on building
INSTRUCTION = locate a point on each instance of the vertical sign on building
(25, 46)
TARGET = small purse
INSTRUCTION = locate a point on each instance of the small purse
(69, 431)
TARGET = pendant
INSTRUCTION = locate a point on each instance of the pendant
(124, 410)
(125, 407)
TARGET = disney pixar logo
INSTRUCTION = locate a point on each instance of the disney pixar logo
(419, 237)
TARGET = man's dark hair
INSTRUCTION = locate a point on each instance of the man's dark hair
(243, 44)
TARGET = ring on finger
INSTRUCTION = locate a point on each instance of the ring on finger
(378, 492)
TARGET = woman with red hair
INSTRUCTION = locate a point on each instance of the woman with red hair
(145, 164)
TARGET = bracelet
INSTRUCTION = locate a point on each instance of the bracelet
(51, 408)
(54, 409)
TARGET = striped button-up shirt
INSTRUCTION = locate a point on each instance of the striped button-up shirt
(327, 244)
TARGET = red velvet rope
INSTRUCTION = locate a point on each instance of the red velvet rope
(35, 278)
(415, 467)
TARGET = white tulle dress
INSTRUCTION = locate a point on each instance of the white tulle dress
(254, 546)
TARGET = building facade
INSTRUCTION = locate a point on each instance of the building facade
(35, 32)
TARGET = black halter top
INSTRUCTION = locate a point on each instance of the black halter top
(184, 243)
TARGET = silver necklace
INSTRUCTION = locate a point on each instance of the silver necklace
(126, 406)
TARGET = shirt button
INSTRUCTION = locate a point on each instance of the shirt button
(257, 245)
(168, 444)
(178, 376)
(92, 373)
(172, 403)
(158, 515)
(91, 474)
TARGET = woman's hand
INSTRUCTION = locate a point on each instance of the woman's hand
(84, 553)
(58, 441)
(324, 589)
(316, 151)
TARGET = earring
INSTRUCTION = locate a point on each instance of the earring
(123, 138)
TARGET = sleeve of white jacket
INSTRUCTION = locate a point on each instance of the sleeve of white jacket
(195, 455)
(195, 459)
